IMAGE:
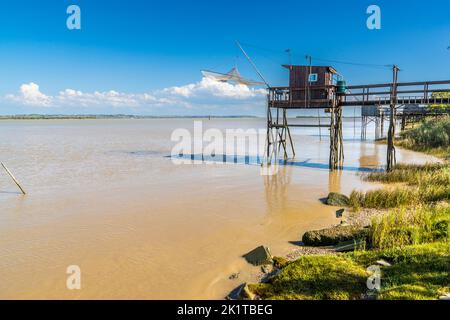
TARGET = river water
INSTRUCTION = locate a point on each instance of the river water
(105, 195)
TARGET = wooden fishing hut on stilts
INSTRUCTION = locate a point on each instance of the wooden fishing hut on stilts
(310, 87)
(321, 87)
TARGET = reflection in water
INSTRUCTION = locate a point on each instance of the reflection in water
(369, 155)
(334, 181)
(276, 187)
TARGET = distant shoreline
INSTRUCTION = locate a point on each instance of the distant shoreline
(123, 116)
(105, 116)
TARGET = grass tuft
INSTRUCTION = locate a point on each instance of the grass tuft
(399, 227)
(400, 196)
(316, 277)
(414, 175)
(430, 134)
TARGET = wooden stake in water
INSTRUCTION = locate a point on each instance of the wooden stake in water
(12, 177)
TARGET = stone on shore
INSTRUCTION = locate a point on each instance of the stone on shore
(280, 262)
(337, 199)
(334, 235)
(246, 293)
(242, 292)
(259, 256)
(340, 213)
(234, 276)
(265, 269)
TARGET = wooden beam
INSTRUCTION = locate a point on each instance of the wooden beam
(400, 84)
(305, 126)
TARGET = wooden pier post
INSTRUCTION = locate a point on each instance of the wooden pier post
(287, 135)
(336, 137)
(332, 160)
(13, 178)
(363, 127)
(278, 134)
(269, 136)
(341, 139)
(391, 159)
(403, 127)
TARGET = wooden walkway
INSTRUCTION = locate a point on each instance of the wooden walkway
(418, 93)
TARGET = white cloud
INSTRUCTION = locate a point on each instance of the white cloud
(215, 88)
(206, 93)
(71, 97)
(31, 95)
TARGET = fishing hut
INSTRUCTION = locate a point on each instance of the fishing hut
(310, 87)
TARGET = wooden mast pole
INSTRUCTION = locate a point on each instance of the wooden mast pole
(253, 65)
(270, 141)
(282, 131)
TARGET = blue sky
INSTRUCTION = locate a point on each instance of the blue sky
(145, 57)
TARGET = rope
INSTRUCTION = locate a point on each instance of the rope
(355, 63)
(370, 65)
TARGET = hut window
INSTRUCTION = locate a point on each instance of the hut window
(313, 77)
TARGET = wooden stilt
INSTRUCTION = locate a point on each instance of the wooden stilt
(278, 135)
(341, 139)
(332, 141)
(391, 159)
(336, 138)
(13, 178)
(403, 127)
(364, 122)
(290, 141)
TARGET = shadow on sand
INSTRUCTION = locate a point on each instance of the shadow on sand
(257, 160)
